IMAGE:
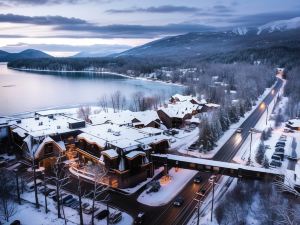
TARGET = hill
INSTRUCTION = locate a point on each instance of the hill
(26, 54)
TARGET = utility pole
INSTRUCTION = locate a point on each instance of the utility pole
(80, 203)
(18, 186)
(213, 196)
(267, 114)
(37, 205)
(45, 196)
(249, 158)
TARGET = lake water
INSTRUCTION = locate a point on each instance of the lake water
(26, 91)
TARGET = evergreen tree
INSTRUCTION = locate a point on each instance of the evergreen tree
(260, 153)
(265, 163)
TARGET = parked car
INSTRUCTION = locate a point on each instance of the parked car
(197, 179)
(193, 146)
(52, 193)
(275, 163)
(276, 157)
(139, 218)
(279, 149)
(89, 210)
(115, 217)
(30, 185)
(85, 205)
(280, 144)
(66, 198)
(155, 186)
(102, 214)
(178, 201)
(61, 196)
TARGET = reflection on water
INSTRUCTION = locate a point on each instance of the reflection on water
(28, 91)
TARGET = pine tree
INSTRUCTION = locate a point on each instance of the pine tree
(265, 162)
(260, 153)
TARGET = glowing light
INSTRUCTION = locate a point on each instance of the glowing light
(262, 105)
(238, 138)
(273, 92)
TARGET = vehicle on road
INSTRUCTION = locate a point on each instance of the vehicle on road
(197, 179)
(239, 130)
(275, 163)
(16, 222)
(140, 218)
(178, 201)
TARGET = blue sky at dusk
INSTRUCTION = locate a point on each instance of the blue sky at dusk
(64, 27)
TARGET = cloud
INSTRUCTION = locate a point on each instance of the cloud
(222, 9)
(158, 9)
(11, 36)
(263, 18)
(99, 49)
(47, 2)
(135, 31)
(40, 20)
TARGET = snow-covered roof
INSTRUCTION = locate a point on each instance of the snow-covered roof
(297, 173)
(153, 139)
(182, 98)
(21, 132)
(294, 123)
(151, 130)
(111, 132)
(92, 139)
(180, 109)
(37, 148)
(125, 144)
(124, 117)
(213, 105)
(43, 125)
(111, 153)
(133, 154)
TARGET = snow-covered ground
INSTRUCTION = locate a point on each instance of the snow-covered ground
(140, 185)
(169, 189)
(29, 215)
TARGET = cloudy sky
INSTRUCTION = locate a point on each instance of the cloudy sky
(65, 27)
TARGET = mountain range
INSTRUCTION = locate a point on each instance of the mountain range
(26, 54)
(282, 33)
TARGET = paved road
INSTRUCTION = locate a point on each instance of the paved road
(169, 215)
(229, 150)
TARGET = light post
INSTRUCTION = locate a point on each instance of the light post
(45, 195)
(251, 131)
(18, 186)
(213, 181)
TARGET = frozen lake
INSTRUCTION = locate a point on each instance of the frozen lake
(30, 91)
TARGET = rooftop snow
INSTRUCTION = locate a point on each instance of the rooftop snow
(111, 153)
(44, 126)
(180, 109)
(151, 130)
(134, 154)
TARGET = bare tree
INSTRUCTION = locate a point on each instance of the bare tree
(84, 113)
(7, 191)
(286, 186)
(99, 187)
(61, 179)
(103, 103)
(116, 100)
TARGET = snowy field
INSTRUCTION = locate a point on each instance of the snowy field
(169, 189)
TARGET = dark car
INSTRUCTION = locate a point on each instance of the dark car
(140, 218)
(279, 149)
(102, 214)
(115, 217)
(178, 201)
(197, 179)
(16, 222)
(280, 144)
(67, 198)
(275, 163)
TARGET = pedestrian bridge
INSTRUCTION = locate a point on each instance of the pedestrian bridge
(216, 167)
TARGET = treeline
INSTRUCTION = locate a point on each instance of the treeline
(236, 87)
(292, 91)
(136, 65)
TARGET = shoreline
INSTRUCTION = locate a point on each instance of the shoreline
(97, 72)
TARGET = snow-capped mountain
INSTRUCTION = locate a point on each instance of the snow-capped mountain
(280, 25)
(240, 30)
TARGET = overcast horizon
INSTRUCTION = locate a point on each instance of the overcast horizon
(66, 27)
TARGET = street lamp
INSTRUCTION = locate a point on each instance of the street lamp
(251, 131)
(212, 180)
